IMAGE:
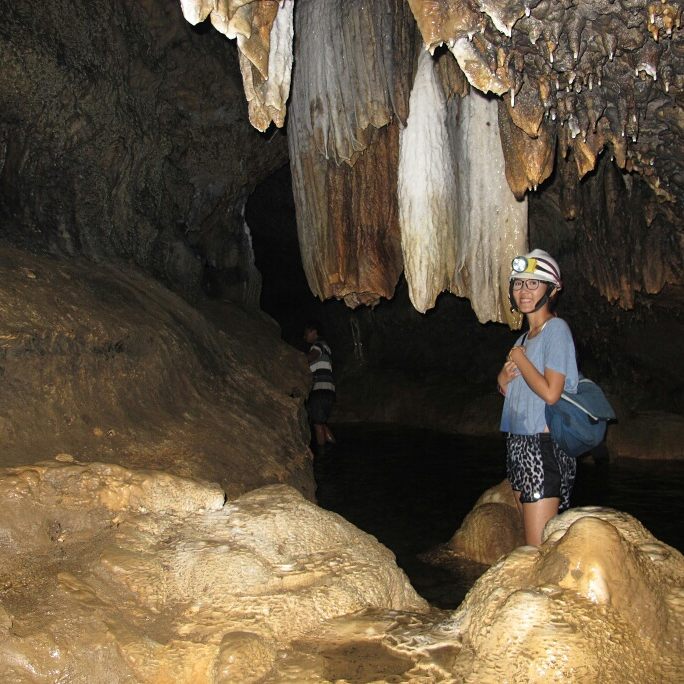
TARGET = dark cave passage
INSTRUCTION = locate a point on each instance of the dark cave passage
(411, 489)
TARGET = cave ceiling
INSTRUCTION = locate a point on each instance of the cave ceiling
(572, 81)
(390, 171)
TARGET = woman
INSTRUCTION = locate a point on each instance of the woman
(539, 368)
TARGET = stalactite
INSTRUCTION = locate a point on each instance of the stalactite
(263, 30)
(354, 68)
(529, 160)
(343, 101)
(599, 67)
(621, 250)
(460, 223)
(267, 97)
(427, 191)
(347, 219)
(492, 224)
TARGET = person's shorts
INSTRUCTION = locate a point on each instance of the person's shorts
(539, 469)
(319, 406)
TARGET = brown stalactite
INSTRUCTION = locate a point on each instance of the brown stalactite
(343, 153)
(529, 160)
(451, 78)
(620, 252)
(347, 220)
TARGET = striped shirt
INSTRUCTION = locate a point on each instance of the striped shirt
(322, 367)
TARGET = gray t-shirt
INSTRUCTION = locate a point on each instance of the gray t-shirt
(523, 410)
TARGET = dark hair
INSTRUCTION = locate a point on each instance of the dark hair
(314, 325)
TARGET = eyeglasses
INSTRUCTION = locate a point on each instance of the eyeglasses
(530, 283)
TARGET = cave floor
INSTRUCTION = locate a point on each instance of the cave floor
(411, 489)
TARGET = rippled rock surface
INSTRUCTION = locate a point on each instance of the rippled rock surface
(114, 575)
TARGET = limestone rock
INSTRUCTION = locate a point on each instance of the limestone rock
(138, 576)
(491, 530)
(106, 364)
(600, 600)
(142, 576)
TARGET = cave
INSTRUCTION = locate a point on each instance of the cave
(182, 186)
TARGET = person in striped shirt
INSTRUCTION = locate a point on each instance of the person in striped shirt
(322, 395)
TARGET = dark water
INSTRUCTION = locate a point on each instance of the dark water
(412, 488)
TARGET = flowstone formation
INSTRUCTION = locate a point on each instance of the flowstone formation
(114, 575)
(572, 81)
(492, 529)
(139, 576)
(104, 363)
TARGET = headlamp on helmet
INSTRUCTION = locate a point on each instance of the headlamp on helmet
(521, 264)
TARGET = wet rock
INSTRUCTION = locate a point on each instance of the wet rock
(491, 530)
(155, 577)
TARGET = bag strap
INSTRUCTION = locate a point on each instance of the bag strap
(589, 414)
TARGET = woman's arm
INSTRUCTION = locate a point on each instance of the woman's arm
(548, 386)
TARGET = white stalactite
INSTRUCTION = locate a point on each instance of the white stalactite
(426, 189)
(492, 224)
(460, 223)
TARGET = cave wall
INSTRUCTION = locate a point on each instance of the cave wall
(103, 363)
(124, 136)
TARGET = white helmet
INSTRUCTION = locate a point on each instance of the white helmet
(537, 264)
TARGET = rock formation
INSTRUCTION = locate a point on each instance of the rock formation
(109, 574)
(104, 363)
(142, 576)
(491, 530)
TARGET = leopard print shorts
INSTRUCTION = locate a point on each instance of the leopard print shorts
(539, 469)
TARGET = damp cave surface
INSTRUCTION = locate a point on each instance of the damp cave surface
(411, 488)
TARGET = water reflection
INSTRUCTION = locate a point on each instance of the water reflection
(412, 488)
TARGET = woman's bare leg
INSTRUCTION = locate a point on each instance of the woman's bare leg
(535, 517)
(517, 503)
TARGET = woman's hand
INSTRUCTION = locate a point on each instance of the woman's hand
(506, 374)
(515, 353)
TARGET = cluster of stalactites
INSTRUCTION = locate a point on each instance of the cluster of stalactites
(574, 78)
(264, 33)
(586, 76)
